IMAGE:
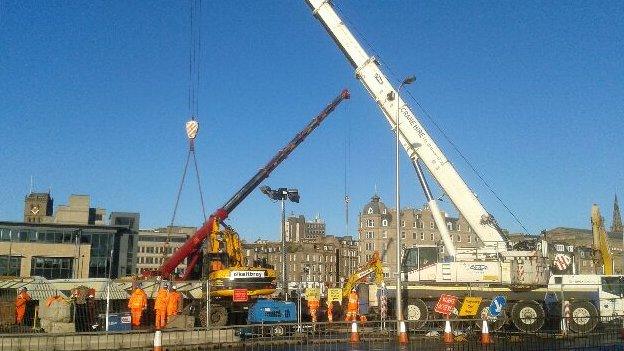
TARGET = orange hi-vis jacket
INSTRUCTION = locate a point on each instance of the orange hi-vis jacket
(313, 304)
(162, 298)
(174, 303)
(20, 306)
(138, 300)
(352, 306)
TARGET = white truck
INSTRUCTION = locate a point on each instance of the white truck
(495, 268)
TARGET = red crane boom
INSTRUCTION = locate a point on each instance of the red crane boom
(192, 247)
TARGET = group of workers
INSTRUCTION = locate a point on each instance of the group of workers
(353, 306)
(168, 303)
(351, 314)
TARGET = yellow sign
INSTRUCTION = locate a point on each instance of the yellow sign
(334, 294)
(470, 307)
(313, 294)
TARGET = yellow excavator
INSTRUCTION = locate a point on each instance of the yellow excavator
(602, 253)
(372, 266)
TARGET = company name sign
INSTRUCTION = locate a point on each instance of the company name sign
(246, 274)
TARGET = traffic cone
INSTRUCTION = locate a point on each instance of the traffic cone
(158, 341)
(402, 334)
(485, 334)
(355, 337)
(448, 333)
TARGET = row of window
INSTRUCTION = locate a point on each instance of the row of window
(157, 249)
(52, 267)
(161, 239)
(151, 260)
(370, 223)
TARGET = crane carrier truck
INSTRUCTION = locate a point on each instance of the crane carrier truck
(521, 273)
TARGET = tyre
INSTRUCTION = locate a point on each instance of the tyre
(218, 316)
(277, 331)
(415, 312)
(583, 317)
(528, 316)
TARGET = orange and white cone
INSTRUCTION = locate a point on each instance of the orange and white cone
(355, 337)
(485, 334)
(402, 333)
(448, 333)
(158, 341)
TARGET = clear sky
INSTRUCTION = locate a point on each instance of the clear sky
(93, 100)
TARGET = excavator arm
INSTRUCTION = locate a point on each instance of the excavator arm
(601, 244)
(192, 247)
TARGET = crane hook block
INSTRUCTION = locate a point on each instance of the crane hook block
(192, 127)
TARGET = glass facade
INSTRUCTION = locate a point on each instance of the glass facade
(102, 242)
(52, 267)
(13, 268)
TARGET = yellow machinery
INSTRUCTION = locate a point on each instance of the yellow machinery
(602, 253)
(372, 266)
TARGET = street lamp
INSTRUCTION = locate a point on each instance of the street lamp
(281, 195)
(399, 307)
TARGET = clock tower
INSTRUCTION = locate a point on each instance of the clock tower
(37, 206)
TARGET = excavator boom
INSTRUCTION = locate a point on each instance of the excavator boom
(192, 247)
(601, 244)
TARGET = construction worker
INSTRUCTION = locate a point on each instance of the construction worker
(137, 304)
(20, 305)
(383, 304)
(174, 303)
(160, 307)
(330, 311)
(352, 306)
(313, 305)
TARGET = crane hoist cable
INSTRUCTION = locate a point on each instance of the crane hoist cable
(192, 126)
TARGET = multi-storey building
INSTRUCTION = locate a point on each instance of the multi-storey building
(155, 245)
(72, 243)
(297, 228)
(378, 232)
(318, 260)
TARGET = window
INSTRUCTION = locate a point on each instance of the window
(431, 225)
(458, 227)
(413, 235)
(421, 224)
(52, 267)
(385, 211)
(402, 223)
(384, 234)
(422, 236)
(402, 235)
(570, 248)
(582, 255)
(559, 248)
(370, 210)
(384, 223)
(449, 225)
(370, 223)
(12, 269)
(469, 229)
(370, 235)
(432, 237)
(469, 238)
(414, 224)
(458, 238)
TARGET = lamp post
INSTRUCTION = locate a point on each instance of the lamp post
(282, 194)
(399, 305)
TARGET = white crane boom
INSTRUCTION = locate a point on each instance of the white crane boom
(413, 137)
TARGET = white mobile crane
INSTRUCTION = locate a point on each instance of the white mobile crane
(495, 268)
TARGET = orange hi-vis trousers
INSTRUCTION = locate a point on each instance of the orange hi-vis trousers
(136, 316)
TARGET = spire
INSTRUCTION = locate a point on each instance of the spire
(616, 225)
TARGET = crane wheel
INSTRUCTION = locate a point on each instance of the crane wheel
(218, 316)
(415, 312)
(528, 316)
(584, 317)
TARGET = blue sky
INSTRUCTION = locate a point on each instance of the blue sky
(94, 101)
